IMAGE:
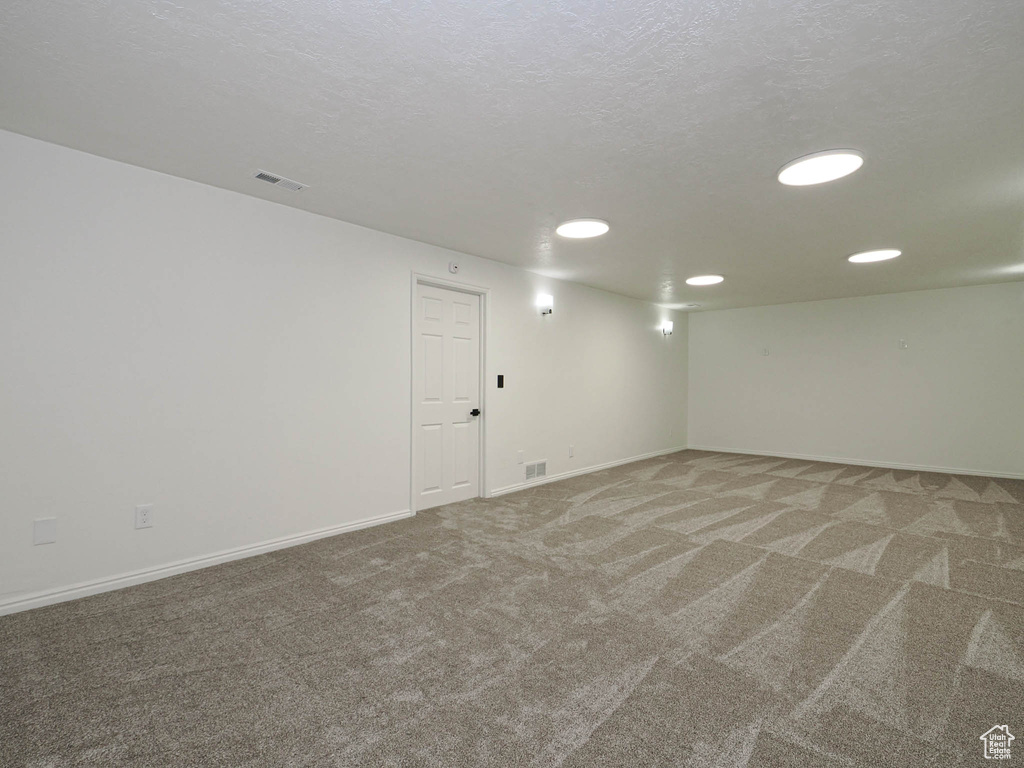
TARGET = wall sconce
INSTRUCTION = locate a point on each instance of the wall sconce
(546, 303)
(666, 327)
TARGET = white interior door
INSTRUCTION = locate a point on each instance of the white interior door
(446, 392)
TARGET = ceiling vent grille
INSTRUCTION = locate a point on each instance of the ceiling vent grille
(279, 181)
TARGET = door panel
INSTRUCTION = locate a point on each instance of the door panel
(463, 312)
(462, 454)
(431, 475)
(446, 387)
(432, 309)
(465, 381)
(433, 368)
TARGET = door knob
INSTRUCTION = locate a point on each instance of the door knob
(475, 412)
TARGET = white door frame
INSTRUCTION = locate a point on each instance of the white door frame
(485, 317)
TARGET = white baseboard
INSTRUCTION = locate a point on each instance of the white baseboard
(584, 471)
(86, 588)
(861, 462)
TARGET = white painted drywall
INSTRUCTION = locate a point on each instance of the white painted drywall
(836, 384)
(245, 367)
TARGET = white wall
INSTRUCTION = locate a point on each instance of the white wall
(836, 385)
(244, 366)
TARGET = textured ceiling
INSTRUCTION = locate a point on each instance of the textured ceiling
(479, 125)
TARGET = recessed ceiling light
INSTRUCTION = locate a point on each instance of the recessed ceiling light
(704, 280)
(580, 228)
(869, 256)
(821, 167)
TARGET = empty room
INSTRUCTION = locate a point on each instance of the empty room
(479, 383)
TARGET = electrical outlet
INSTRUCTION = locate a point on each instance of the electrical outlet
(520, 458)
(44, 531)
(144, 516)
(572, 451)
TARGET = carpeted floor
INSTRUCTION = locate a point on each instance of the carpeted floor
(698, 609)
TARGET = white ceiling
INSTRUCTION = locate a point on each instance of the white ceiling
(479, 125)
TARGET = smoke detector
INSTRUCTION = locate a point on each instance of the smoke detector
(279, 181)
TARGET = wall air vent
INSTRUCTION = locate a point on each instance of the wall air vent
(279, 181)
(537, 469)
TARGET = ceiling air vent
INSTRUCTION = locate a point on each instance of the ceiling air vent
(279, 181)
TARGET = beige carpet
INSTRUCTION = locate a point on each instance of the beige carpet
(698, 609)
